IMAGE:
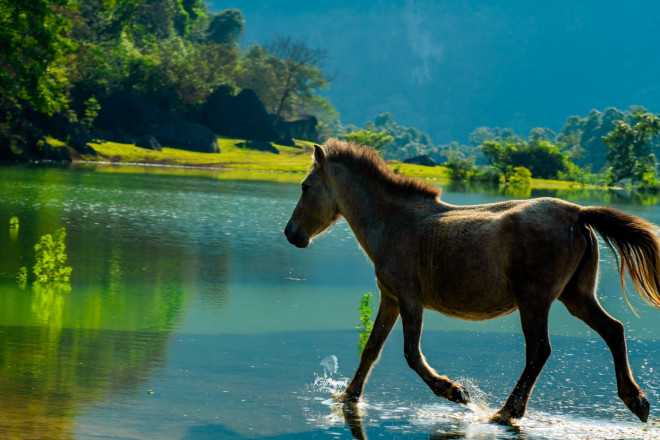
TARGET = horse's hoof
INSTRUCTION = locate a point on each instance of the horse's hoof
(345, 398)
(459, 394)
(502, 417)
(640, 407)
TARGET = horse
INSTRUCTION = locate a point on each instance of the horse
(475, 263)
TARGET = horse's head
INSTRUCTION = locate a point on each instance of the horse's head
(317, 208)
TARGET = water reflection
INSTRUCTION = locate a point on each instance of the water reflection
(576, 193)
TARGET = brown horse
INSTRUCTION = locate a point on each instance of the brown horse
(474, 262)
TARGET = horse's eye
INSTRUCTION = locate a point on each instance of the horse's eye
(305, 187)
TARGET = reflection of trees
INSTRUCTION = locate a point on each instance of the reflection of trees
(66, 351)
(135, 269)
(47, 375)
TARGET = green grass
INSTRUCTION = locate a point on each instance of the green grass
(236, 163)
(290, 159)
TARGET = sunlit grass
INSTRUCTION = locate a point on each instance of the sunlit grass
(237, 163)
(289, 159)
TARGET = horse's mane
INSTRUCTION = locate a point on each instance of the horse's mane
(366, 162)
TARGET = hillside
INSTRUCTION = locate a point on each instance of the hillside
(449, 67)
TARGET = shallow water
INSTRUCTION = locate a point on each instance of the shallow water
(191, 317)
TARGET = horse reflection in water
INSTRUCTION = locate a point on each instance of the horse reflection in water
(474, 262)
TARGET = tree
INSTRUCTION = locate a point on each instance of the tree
(630, 155)
(35, 55)
(301, 75)
(498, 155)
(226, 27)
(375, 139)
(542, 158)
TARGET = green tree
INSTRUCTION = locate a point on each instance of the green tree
(301, 76)
(541, 158)
(262, 72)
(375, 139)
(630, 155)
(35, 55)
(498, 155)
(226, 27)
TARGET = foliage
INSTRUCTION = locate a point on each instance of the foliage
(22, 277)
(66, 56)
(520, 178)
(50, 265)
(226, 27)
(460, 169)
(301, 77)
(630, 155)
(368, 137)
(366, 325)
(406, 142)
(543, 159)
(36, 52)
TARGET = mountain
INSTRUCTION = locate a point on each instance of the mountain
(447, 67)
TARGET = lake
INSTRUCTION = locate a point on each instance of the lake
(191, 317)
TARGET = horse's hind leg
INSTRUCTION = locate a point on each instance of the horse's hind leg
(388, 313)
(579, 297)
(534, 320)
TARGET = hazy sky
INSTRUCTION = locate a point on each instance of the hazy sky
(447, 67)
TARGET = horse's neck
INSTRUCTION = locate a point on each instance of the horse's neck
(369, 211)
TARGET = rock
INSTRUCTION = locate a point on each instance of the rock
(421, 160)
(187, 136)
(149, 142)
(134, 115)
(302, 128)
(259, 146)
(242, 116)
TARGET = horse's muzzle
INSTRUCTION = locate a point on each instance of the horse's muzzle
(295, 236)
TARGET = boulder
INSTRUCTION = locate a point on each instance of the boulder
(149, 142)
(301, 128)
(187, 136)
(240, 116)
(133, 114)
(421, 160)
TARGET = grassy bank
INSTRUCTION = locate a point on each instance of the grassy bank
(236, 162)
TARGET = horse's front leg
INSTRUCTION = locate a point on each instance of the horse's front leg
(411, 317)
(388, 313)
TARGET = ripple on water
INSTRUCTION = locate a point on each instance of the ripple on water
(444, 420)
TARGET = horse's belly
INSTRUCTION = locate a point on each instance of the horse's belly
(473, 306)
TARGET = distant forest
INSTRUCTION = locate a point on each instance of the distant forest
(62, 59)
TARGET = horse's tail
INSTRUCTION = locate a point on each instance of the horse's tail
(637, 244)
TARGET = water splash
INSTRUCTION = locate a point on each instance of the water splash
(327, 383)
(389, 414)
(330, 365)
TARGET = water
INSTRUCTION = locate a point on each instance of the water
(191, 317)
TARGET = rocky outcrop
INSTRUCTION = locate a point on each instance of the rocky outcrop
(187, 136)
(301, 128)
(240, 116)
(24, 137)
(128, 114)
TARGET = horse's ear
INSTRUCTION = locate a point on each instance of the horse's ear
(319, 155)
